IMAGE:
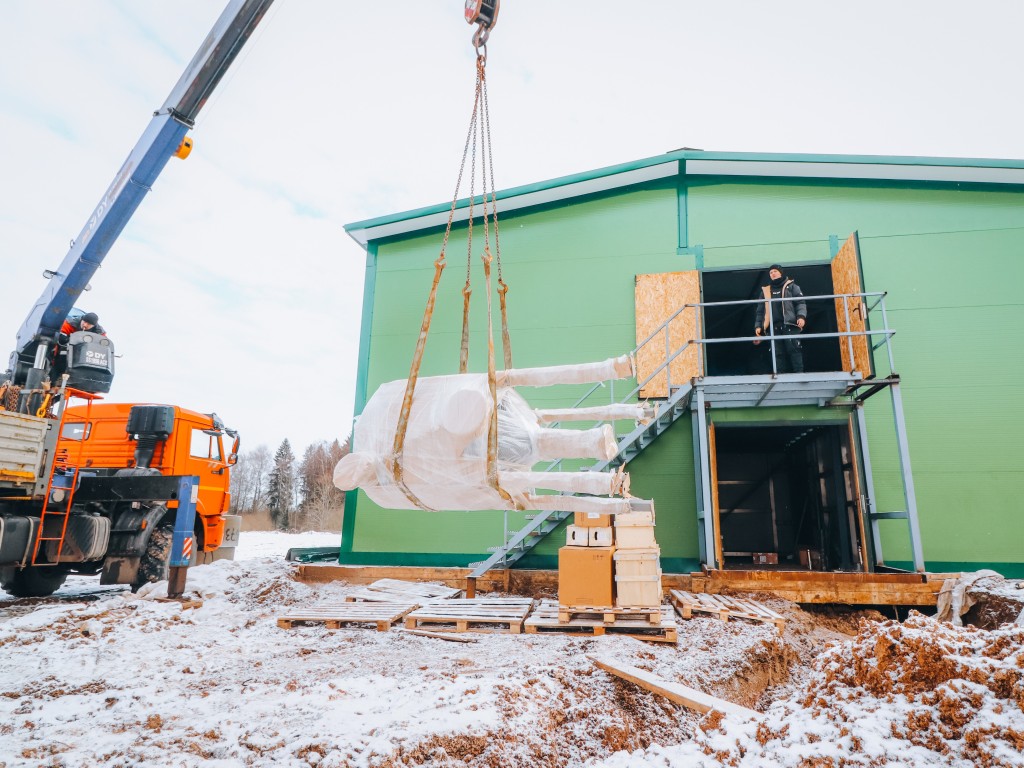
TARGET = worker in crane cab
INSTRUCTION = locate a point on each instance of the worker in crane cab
(90, 321)
(785, 318)
(73, 323)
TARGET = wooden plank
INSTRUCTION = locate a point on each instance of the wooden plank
(846, 278)
(657, 297)
(715, 511)
(438, 635)
(819, 587)
(381, 615)
(680, 694)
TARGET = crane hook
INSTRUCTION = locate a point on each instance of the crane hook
(483, 13)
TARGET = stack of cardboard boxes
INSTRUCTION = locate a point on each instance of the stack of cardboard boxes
(610, 561)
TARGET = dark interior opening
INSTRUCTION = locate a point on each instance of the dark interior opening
(744, 358)
(787, 494)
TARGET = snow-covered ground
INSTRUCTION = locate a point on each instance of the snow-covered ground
(110, 679)
(275, 544)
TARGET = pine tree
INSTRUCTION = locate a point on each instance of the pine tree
(281, 486)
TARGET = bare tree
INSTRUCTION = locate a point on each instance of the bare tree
(322, 504)
(249, 481)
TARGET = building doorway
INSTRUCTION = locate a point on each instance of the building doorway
(788, 498)
(744, 358)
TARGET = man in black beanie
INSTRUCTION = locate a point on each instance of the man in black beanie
(788, 318)
(90, 321)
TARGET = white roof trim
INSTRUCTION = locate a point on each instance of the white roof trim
(526, 200)
(855, 171)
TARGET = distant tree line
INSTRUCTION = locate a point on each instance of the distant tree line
(278, 492)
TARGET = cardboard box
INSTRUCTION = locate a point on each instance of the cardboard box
(585, 576)
(591, 520)
(766, 558)
(577, 536)
(635, 537)
(600, 537)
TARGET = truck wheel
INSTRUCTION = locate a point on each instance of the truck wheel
(153, 565)
(35, 581)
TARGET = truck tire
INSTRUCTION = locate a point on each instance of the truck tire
(153, 565)
(35, 581)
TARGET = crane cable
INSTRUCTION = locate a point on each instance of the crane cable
(479, 133)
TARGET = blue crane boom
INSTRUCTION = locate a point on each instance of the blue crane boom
(164, 137)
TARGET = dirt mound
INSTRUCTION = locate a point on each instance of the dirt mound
(951, 679)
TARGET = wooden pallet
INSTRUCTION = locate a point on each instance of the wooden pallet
(485, 615)
(610, 615)
(398, 591)
(724, 607)
(547, 618)
(384, 615)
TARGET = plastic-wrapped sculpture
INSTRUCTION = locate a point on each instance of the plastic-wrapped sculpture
(444, 462)
(469, 441)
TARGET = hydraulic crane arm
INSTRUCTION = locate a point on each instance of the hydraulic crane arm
(163, 138)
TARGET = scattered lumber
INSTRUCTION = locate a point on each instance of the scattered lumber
(439, 635)
(683, 695)
(723, 607)
(636, 623)
(472, 615)
(398, 591)
(382, 615)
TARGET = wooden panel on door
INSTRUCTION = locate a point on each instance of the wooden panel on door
(851, 313)
(658, 296)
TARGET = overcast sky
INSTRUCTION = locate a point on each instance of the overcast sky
(235, 288)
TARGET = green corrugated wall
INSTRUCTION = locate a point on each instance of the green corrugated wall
(950, 260)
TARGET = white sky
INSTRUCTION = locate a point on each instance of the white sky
(235, 288)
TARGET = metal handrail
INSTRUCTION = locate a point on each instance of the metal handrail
(885, 333)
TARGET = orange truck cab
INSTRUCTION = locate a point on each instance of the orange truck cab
(133, 492)
(95, 438)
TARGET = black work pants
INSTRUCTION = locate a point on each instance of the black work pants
(789, 350)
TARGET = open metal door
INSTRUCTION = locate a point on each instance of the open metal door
(667, 330)
(851, 313)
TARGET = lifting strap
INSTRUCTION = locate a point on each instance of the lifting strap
(479, 133)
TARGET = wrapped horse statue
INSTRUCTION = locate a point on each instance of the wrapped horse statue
(444, 462)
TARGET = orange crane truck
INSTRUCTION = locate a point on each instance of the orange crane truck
(134, 492)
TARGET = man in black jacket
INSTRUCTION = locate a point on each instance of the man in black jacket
(788, 318)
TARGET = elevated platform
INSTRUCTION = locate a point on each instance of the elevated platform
(813, 587)
(784, 389)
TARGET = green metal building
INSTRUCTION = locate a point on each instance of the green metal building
(940, 244)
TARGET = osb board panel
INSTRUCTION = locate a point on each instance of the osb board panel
(658, 296)
(846, 279)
